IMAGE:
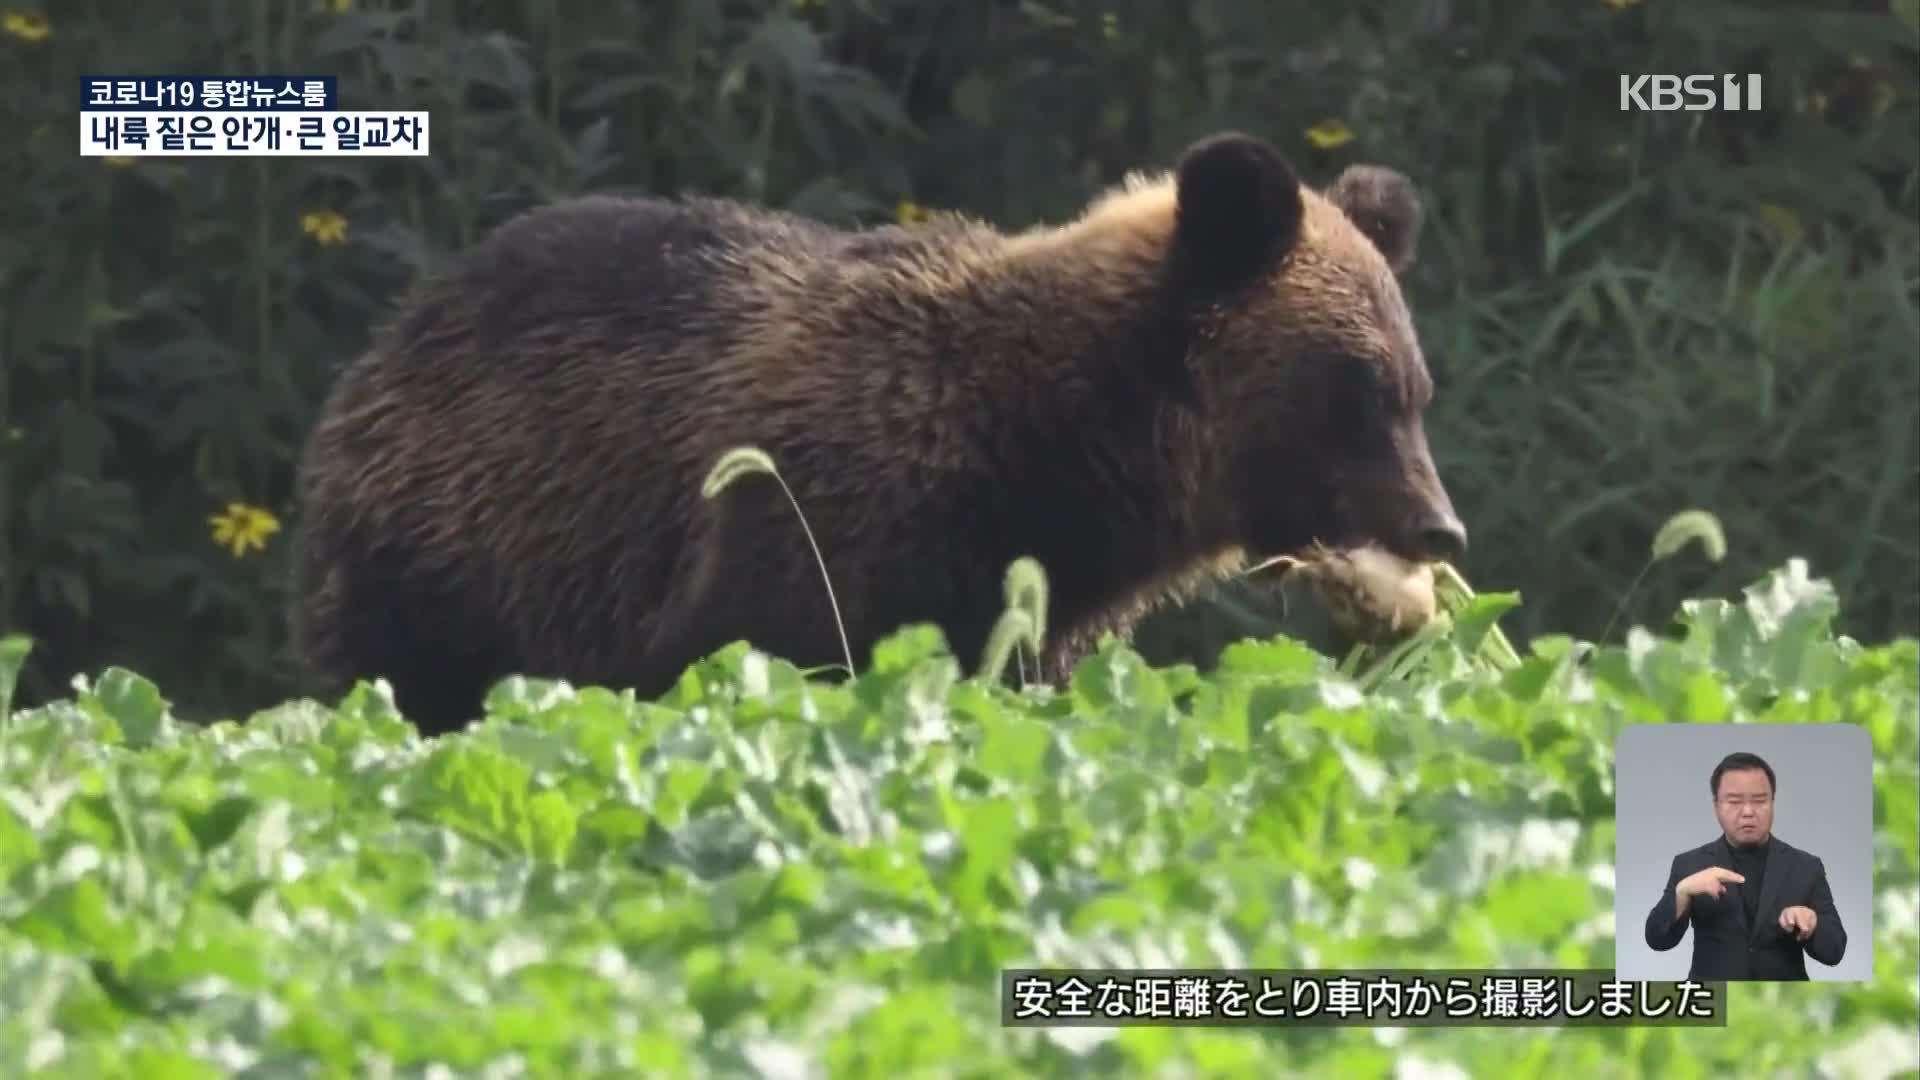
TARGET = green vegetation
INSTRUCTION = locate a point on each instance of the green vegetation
(759, 871)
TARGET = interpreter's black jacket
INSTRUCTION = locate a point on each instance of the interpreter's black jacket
(1727, 946)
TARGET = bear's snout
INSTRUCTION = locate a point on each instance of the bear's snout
(1436, 536)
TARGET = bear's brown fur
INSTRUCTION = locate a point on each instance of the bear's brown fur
(1205, 365)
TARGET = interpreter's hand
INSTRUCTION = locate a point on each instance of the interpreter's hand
(1709, 882)
(1798, 921)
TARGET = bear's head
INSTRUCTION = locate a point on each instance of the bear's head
(1303, 342)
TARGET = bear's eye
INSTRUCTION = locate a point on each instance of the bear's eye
(1359, 398)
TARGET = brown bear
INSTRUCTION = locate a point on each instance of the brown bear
(1207, 365)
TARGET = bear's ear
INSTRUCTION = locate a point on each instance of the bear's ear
(1238, 208)
(1383, 204)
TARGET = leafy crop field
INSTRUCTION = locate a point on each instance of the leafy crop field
(766, 875)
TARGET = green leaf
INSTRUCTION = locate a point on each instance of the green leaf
(1473, 622)
(135, 705)
(13, 657)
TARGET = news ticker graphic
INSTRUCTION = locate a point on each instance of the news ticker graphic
(229, 116)
(1372, 997)
(177, 93)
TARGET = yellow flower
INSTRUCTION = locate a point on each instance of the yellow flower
(1110, 26)
(1329, 134)
(117, 161)
(340, 7)
(1620, 5)
(242, 526)
(26, 25)
(325, 226)
(1815, 103)
(909, 212)
(1783, 223)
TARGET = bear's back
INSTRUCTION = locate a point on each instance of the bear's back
(597, 277)
(583, 277)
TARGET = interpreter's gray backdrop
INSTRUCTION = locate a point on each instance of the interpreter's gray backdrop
(1823, 805)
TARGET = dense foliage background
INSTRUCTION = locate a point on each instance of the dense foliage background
(1630, 312)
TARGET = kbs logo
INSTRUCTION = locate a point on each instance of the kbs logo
(1692, 93)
